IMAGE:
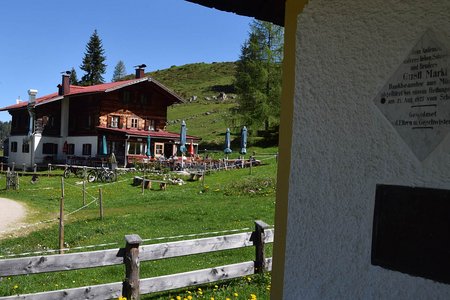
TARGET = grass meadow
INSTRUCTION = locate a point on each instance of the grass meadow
(226, 200)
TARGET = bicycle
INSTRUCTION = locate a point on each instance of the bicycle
(78, 172)
(102, 174)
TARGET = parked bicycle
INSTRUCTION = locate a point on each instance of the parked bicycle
(76, 171)
(102, 174)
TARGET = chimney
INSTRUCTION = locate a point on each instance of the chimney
(64, 87)
(32, 95)
(140, 71)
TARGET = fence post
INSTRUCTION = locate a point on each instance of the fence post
(35, 168)
(130, 287)
(100, 199)
(84, 191)
(258, 242)
(49, 170)
(61, 219)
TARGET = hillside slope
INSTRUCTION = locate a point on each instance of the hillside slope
(199, 84)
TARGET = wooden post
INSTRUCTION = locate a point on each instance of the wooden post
(203, 176)
(251, 163)
(2, 166)
(143, 178)
(258, 242)
(23, 169)
(49, 170)
(13, 166)
(61, 219)
(35, 168)
(17, 183)
(130, 288)
(84, 192)
(100, 199)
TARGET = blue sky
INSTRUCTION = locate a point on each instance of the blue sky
(40, 39)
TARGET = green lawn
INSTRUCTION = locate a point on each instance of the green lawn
(227, 200)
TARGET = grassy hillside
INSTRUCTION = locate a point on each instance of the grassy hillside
(200, 79)
(205, 116)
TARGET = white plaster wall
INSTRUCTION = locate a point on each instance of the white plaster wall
(79, 141)
(19, 158)
(343, 146)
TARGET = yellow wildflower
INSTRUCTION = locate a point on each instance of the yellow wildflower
(189, 297)
(16, 286)
(252, 296)
(235, 294)
(178, 297)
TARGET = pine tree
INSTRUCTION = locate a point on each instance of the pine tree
(73, 77)
(258, 76)
(93, 61)
(119, 71)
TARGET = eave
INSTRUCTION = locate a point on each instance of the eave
(265, 10)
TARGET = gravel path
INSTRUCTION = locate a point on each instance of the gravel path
(12, 214)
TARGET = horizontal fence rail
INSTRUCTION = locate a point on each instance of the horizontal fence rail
(134, 253)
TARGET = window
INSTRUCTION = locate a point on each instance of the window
(159, 149)
(114, 122)
(87, 149)
(13, 146)
(70, 149)
(25, 148)
(49, 148)
(134, 123)
(134, 148)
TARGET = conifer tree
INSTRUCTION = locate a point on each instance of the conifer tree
(258, 76)
(119, 71)
(93, 62)
(73, 77)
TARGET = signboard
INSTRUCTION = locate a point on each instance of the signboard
(416, 99)
(411, 231)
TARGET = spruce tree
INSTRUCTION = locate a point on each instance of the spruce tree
(73, 77)
(93, 62)
(119, 71)
(258, 77)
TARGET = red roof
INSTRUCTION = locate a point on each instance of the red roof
(145, 133)
(99, 88)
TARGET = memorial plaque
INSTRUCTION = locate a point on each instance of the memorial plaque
(411, 231)
(416, 99)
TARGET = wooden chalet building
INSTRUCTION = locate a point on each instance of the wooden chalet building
(75, 122)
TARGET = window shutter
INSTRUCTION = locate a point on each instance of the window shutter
(108, 121)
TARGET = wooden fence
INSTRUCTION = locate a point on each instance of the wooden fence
(133, 254)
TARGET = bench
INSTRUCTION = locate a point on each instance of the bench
(193, 176)
(137, 180)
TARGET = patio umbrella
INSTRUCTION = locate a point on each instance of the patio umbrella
(183, 137)
(227, 149)
(243, 140)
(104, 146)
(148, 152)
(191, 148)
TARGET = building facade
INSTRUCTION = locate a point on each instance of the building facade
(82, 124)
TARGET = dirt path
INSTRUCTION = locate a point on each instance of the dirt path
(12, 214)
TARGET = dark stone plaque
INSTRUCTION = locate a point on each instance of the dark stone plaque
(411, 231)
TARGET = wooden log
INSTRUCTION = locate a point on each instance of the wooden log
(61, 262)
(82, 260)
(197, 246)
(104, 291)
(175, 281)
(131, 260)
